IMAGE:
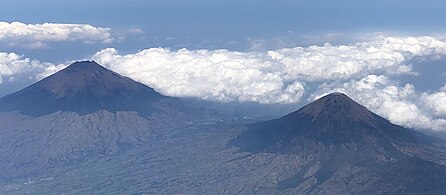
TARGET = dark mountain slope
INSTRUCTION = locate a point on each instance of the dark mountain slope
(83, 87)
(331, 120)
(339, 139)
(86, 111)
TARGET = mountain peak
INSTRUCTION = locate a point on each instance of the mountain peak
(83, 87)
(334, 119)
(336, 107)
(83, 76)
(84, 66)
(334, 135)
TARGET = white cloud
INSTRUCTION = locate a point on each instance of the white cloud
(218, 75)
(267, 77)
(435, 102)
(34, 35)
(49, 69)
(388, 56)
(35, 45)
(365, 71)
(135, 31)
(399, 104)
(14, 66)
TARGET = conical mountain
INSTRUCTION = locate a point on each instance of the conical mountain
(340, 140)
(334, 119)
(82, 111)
(83, 87)
(335, 108)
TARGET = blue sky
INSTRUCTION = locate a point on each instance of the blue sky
(389, 55)
(229, 24)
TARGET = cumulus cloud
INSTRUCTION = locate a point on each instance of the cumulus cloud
(35, 35)
(218, 75)
(277, 76)
(399, 104)
(435, 102)
(14, 66)
(365, 71)
(385, 55)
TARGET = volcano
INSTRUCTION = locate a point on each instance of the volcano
(334, 119)
(83, 87)
(83, 111)
(341, 141)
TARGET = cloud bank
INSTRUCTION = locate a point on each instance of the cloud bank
(217, 75)
(36, 35)
(435, 102)
(367, 71)
(390, 56)
(273, 77)
(363, 70)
